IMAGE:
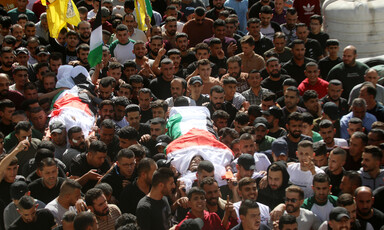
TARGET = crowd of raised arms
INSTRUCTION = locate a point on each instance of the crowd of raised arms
(306, 126)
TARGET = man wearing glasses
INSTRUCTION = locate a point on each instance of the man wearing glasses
(123, 173)
(294, 198)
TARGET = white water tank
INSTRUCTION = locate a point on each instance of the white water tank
(356, 22)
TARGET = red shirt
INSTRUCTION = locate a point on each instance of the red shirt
(320, 87)
(211, 221)
(306, 8)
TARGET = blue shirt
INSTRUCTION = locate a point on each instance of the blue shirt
(241, 8)
(367, 123)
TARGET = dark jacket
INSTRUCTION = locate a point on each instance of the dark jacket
(270, 197)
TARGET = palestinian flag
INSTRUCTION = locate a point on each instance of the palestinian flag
(96, 42)
(71, 107)
(182, 119)
(203, 143)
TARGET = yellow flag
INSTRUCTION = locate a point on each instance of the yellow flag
(140, 14)
(59, 13)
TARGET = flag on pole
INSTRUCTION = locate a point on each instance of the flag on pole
(59, 13)
(96, 41)
(143, 8)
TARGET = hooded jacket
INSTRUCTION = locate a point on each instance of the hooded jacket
(270, 197)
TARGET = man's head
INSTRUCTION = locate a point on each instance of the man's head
(182, 42)
(159, 109)
(321, 187)
(85, 221)
(144, 97)
(320, 157)
(47, 169)
(357, 143)
(171, 25)
(327, 132)
(247, 188)
(163, 181)
(145, 169)
(291, 18)
(126, 162)
(312, 72)
(20, 76)
(298, 49)
(294, 198)
(132, 114)
(287, 222)
(82, 52)
(250, 214)
(4, 84)
(167, 69)
(107, 131)
(212, 190)
(371, 159)
(205, 169)
(96, 202)
(76, 138)
(106, 87)
(129, 21)
(245, 166)
(302, 31)
(291, 97)
(128, 136)
(7, 108)
(23, 130)
(275, 176)
(234, 66)
(339, 219)
(349, 56)
(332, 47)
(202, 51)
(196, 200)
(178, 87)
(273, 67)
(347, 201)
(247, 144)
(157, 127)
(364, 201)
(217, 97)
(70, 191)
(294, 124)
(97, 153)
(253, 26)
(265, 15)
(376, 136)
(10, 172)
(368, 92)
(304, 152)
(199, 15)
(27, 208)
(350, 182)
(336, 160)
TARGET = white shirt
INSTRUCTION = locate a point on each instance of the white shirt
(57, 210)
(303, 179)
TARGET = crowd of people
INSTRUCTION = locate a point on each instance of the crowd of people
(306, 127)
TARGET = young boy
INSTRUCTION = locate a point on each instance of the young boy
(301, 174)
(196, 202)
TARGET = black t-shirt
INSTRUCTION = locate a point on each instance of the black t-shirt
(292, 146)
(146, 115)
(188, 59)
(44, 221)
(161, 88)
(313, 49)
(4, 192)
(275, 86)
(326, 64)
(6, 129)
(79, 167)
(130, 197)
(295, 71)
(115, 180)
(321, 38)
(262, 45)
(279, 133)
(335, 181)
(153, 214)
(40, 192)
(376, 220)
